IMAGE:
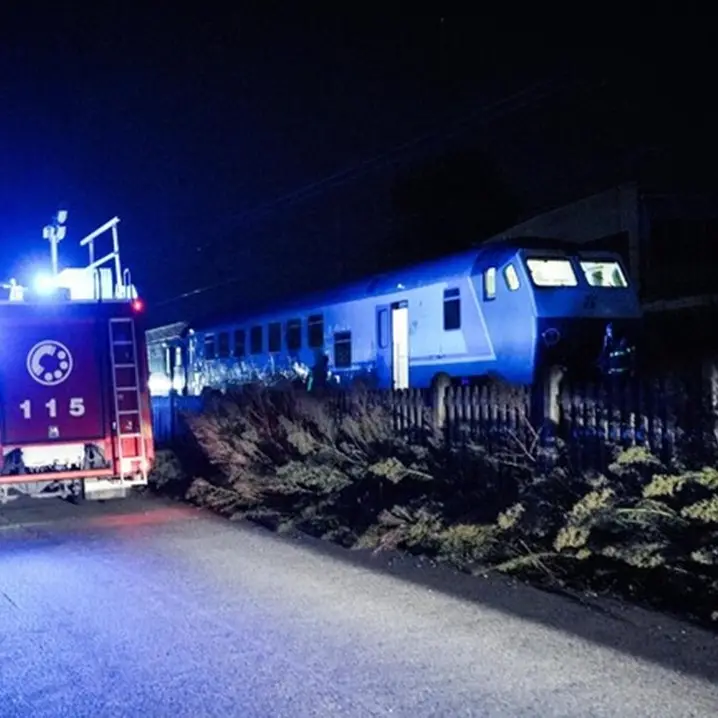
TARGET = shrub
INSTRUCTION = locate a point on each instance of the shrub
(337, 468)
(168, 474)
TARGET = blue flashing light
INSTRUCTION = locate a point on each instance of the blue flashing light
(45, 284)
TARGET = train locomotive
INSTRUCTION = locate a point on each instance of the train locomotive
(508, 310)
(75, 417)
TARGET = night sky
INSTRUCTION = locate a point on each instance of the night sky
(211, 137)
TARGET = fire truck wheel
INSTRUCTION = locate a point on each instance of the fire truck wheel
(77, 493)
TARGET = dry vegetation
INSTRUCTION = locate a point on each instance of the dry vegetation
(289, 460)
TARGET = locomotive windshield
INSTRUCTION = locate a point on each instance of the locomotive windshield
(552, 272)
(604, 274)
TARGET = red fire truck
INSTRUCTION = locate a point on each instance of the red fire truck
(75, 416)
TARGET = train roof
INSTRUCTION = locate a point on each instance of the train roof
(456, 265)
(453, 266)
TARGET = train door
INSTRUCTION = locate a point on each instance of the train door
(400, 345)
(392, 342)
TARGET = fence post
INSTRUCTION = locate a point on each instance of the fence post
(710, 379)
(547, 414)
(547, 399)
(172, 408)
(441, 385)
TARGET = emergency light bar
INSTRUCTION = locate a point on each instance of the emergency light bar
(95, 282)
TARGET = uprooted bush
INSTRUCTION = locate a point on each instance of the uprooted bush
(290, 460)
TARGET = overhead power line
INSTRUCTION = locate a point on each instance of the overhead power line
(530, 96)
(506, 105)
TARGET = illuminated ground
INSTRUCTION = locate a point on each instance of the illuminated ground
(144, 608)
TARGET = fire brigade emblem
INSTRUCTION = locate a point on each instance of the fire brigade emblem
(49, 362)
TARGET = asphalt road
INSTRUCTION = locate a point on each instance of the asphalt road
(146, 608)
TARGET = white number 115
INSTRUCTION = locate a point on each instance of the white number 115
(75, 408)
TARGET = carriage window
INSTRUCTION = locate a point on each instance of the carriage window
(209, 347)
(604, 274)
(223, 344)
(511, 277)
(315, 331)
(239, 346)
(490, 283)
(275, 337)
(342, 350)
(552, 272)
(255, 340)
(294, 335)
(382, 328)
(452, 309)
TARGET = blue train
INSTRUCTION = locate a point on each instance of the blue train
(507, 309)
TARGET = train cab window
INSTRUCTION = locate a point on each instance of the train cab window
(294, 335)
(315, 331)
(511, 277)
(490, 283)
(552, 272)
(223, 344)
(604, 274)
(239, 343)
(275, 337)
(209, 347)
(255, 340)
(452, 309)
(342, 350)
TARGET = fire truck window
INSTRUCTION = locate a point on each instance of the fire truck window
(452, 309)
(255, 340)
(342, 350)
(316, 331)
(223, 344)
(239, 346)
(209, 348)
(294, 335)
(275, 337)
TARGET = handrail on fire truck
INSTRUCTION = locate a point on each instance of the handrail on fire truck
(123, 288)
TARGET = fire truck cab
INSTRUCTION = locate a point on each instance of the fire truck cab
(75, 416)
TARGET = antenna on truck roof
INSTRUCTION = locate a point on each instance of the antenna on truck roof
(55, 232)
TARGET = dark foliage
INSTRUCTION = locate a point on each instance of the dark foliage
(289, 460)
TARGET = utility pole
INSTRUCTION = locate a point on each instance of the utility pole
(55, 233)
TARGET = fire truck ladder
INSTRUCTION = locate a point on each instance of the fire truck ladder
(128, 408)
